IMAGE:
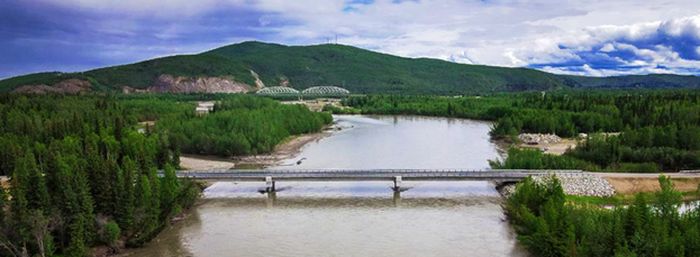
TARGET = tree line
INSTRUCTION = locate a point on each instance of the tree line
(240, 125)
(549, 226)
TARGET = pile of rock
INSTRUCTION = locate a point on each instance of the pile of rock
(582, 184)
(535, 139)
(507, 190)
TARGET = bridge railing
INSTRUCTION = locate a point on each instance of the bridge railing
(339, 171)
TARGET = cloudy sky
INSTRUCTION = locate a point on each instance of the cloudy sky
(598, 37)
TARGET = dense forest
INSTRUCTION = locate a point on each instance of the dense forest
(660, 130)
(549, 226)
(81, 175)
(240, 125)
(92, 170)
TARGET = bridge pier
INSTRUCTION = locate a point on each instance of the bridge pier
(397, 184)
(397, 198)
(269, 184)
(271, 199)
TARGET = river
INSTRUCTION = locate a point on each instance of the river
(357, 218)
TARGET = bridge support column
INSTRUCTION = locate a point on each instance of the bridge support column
(397, 198)
(269, 184)
(397, 184)
(271, 199)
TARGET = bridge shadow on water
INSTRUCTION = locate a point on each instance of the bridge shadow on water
(273, 201)
(349, 194)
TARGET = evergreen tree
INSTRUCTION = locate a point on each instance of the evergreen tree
(20, 204)
(125, 212)
(37, 191)
(86, 211)
(143, 218)
(155, 205)
(170, 186)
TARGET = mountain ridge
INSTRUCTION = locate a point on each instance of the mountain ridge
(251, 64)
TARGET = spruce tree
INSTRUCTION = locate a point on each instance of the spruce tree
(143, 219)
(117, 181)
(86, 211)
(155, 204)
(37, 192)
(20, 205)
(125, 210)
(169, 188)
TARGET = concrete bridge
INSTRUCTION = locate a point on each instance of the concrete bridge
(394, 175)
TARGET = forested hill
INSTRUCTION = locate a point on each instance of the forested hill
(246, 66)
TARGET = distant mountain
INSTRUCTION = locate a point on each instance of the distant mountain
(249, 66)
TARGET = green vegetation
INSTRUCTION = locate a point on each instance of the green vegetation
(338, 110)
(535, 159)
(358, 70)
(81, 174)
(483, 108)
(362, 71)
(141, 75)
(660, 129)
(241, 125)
(549, 225)
(74, 161)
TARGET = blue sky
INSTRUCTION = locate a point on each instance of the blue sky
(598, 38)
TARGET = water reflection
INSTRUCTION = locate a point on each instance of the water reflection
(400, 142)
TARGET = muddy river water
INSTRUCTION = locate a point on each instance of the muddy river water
(357, 218)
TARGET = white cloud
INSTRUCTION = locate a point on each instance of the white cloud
(517, 33)
(148, 8)
(503, 33)
(646, 47)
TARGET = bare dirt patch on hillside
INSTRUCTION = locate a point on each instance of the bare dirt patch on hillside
(69, 86)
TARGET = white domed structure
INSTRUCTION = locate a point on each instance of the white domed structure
(278, 91)
(325, 91)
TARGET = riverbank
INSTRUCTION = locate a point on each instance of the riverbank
(285, 150)
(599, 188)
(583, 184)
(625, 185)
(200, 162)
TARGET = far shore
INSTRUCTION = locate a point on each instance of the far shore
(285, 150)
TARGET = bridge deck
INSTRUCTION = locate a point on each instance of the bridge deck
(365, 174)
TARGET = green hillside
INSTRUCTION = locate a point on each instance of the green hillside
(369, 72)
(358, 70)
